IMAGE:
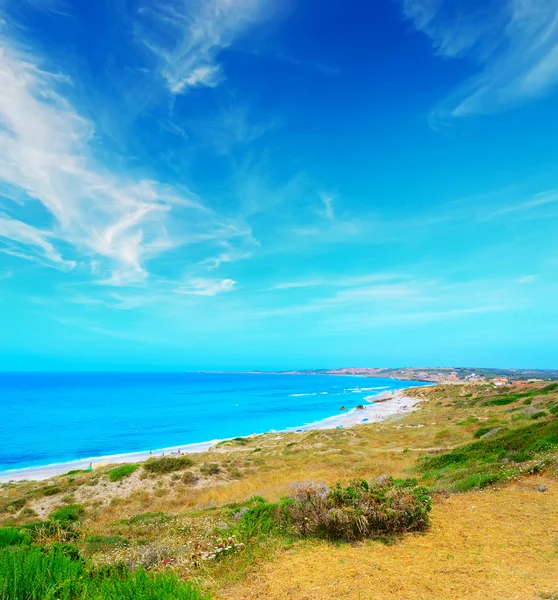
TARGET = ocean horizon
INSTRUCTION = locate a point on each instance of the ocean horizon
(52, 418)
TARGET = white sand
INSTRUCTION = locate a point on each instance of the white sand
(377, 408)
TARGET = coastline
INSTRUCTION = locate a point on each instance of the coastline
(376, 408)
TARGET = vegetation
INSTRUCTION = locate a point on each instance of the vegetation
(122, 472)
(489, 461)
(363, 509)
(38, 573)
(167, 464)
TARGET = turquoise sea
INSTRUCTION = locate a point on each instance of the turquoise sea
(61, 417)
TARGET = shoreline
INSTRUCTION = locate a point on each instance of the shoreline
(376, 408)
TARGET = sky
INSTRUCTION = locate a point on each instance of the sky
(278, 184)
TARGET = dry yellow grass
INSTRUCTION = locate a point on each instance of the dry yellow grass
(489, 545)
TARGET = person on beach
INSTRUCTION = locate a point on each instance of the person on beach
(90, 467)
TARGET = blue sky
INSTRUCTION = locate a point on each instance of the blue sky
(269, 184)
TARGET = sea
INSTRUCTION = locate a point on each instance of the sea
(50, 418)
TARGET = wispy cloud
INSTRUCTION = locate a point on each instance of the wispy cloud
(186, 37)
(345, 281)
(87, 211)
(207, 287)
(327, 201)
(514, 42)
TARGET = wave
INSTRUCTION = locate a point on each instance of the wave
(358, 390)
(309, 394)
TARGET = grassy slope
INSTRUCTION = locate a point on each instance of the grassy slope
(115, 526)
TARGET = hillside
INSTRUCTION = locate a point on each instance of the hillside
(483, 456)
(445, 374)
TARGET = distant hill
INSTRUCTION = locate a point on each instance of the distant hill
(442, 374)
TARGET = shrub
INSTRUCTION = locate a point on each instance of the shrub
(69, 514)
(210, 469)
(539, 414)
(13, 506)
(50, 490)
(481, 431)
(97, 543)
(363, 509)
(189, 478)
(501, 401)
(167, 464)
(122, 472)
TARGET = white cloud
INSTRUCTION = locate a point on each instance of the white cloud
(186, 37)
(343, 281)
(115, 223)
(327, 201)
(207, 287)
(514, 42)
(526, 279)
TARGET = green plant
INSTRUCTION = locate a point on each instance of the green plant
(10, 536)
(167, 464)
(363, 509)
(51, 490)
(482, 431)
(68, 514)
(97, 543)
(31, 573)
(122, 472)
(208, 469)
(13, 506)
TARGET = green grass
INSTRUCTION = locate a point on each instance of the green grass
(479, 464)
(122, 472)
(33, 573)
(10, 536)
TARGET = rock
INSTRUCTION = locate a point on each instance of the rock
(382, 479)
(342, 408)
(491, 433)
(542, 488)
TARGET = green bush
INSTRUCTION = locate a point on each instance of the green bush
(122, 472)
(51, 490)
(13, 506)
(10, 536)
(167, 464)
(68, 514)
(210, 469)
(482, 431)
(363, 509)
(539, 414)
(97, 543)
(501, 401)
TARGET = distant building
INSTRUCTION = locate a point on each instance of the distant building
(499, 382)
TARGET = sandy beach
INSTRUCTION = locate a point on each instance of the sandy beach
(375, 409)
